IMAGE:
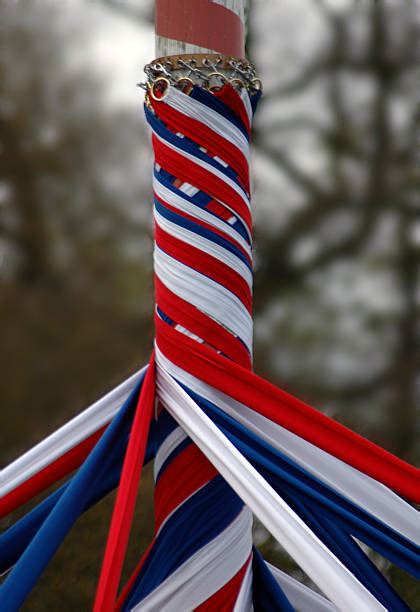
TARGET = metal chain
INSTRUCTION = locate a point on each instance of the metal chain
(210, 72)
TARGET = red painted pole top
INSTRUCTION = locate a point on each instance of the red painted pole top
(200, 26)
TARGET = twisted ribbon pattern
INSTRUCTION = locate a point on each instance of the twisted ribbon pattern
(203, 284)
(225, 442)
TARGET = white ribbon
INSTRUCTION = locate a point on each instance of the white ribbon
(177, 201)
(205, 245)
(359, 488)
(67, 437)
(205, 572)
(204, 293)
(194, 109)
(331, 576)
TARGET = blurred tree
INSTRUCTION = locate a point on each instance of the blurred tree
(354, 222)
(137, 11)
(72, 231)
(56, 132)
(75, 257)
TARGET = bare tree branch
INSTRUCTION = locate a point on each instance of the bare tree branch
(302, 180)
(135, 11)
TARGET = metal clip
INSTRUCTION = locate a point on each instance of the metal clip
(213, 65)
(159, 70)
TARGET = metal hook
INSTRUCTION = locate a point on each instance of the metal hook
(186, 65)
(213, 65)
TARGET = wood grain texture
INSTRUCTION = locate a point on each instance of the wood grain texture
(200, 26)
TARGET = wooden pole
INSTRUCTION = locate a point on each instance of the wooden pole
(200, 26)
(213, 528)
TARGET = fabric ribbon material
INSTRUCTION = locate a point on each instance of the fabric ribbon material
(227, 444)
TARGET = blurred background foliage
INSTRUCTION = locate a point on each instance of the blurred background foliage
(336, 181)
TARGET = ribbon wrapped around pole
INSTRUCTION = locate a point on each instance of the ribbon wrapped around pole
(226, 444)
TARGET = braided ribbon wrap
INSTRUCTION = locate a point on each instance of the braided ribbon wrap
(203, 282)
(201, 556)
(225, 441)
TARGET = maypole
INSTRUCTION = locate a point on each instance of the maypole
(226, 444)
(201, 557)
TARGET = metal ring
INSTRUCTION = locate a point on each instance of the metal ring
(189, 84)
(256, 84)
(152, 87)
(218, 75)
(237, 81)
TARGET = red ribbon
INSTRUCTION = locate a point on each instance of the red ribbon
(288, 411)
(122, 516)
